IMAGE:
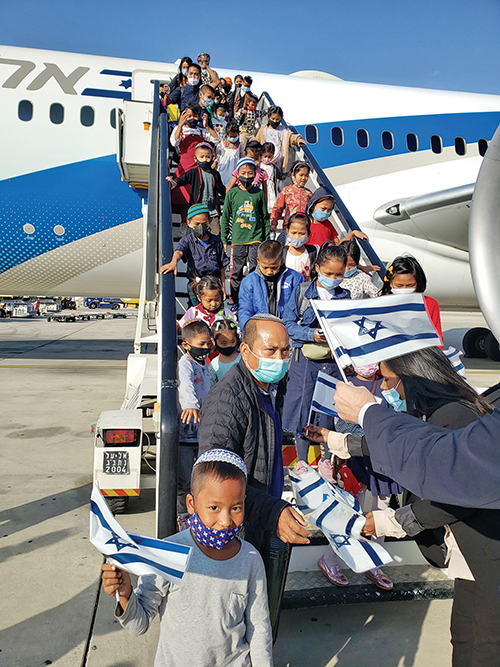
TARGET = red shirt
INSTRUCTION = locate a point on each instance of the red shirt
(321, 232)
(432, 307)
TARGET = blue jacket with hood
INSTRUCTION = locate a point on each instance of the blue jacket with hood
(252, 297)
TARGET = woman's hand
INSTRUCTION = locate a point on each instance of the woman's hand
(369, 527)
(316, 434)
(319, 337)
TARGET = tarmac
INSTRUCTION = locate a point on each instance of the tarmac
(56, 379)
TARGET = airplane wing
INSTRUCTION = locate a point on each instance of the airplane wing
(441, 216)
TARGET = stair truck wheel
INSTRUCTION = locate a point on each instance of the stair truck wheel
(118, 504)
(492, 348)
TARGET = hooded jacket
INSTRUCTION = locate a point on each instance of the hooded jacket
(194, 178)
(253, 297)
(320, 193)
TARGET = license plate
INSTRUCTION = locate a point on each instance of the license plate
(116, 463)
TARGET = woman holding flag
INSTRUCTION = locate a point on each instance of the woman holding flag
(311, 353)
(424, 384)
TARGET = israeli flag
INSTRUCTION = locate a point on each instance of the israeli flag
(454, 357)
(322, 400)
(135, 554)
(338, 515)
(368, 331)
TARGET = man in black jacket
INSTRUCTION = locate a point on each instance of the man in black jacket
(239, 413)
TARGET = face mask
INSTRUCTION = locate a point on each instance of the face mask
(351, 272)
(221, 118)
(199, 354)
(200, 230)
(403, 290)
(270, 370)
(206, 103)
(192, 123)
(184, 72)
(273, 123)
(246, 181)
(193, 80)
(320, 216)
(210, 537)
(233, 140)
(296, 243)
(266, 160)
(226, 351)
(245, 89)
(393, 398)
(203, 165)
(367, 371)
(329, 283)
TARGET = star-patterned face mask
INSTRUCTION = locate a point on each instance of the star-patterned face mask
(210, 537)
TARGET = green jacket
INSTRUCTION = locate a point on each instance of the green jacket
(245, 218)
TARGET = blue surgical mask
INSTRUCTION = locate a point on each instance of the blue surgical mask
(329, 283)
(233, 140)
(184, 71)
(351, 272)
(219, 117)
(296, 243)
(270, 370)
(393, 398)
(320, 216)
(245, 89)
(206, 103)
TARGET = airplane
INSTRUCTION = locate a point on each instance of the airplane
(404, 160)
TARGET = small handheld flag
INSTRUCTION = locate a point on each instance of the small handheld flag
(367, 331)
(339, 516)
(136, 554)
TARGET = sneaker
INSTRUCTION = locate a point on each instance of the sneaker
(333, 573)
(379, 579)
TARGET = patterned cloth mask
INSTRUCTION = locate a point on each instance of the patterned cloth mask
(210, 537)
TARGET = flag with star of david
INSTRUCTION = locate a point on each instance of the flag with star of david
(368, 331)
(135, 554)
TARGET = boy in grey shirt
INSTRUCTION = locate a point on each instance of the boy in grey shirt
(219, 614)
(194, 385)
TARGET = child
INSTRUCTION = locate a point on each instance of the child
(311, 352)
(206, 185)
(210, 294)
(293, 198)
(246, 219)
(240, 92)
(201, 250)
(269, 287)
(319, 209)
(229, 151)
(220, 120)
(279, 135)
(299, 255)
(194, 385)
(273, 175)
(253, 150)
(227, 344)
(248, 117)
(356, 280)
(219, 614)
(186, 136)
(380, 486)
(404, 276)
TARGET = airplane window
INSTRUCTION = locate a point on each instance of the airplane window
(482, 146)
(387, 140)
(337, 136)
(25, 110)
(460, 146)
(87, 116)
(112, 118)
(362, 137)
(56, 113)
(412, 142)
(311, 134)
(436, 144)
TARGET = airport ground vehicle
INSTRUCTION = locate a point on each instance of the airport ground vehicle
(103, 302)
(16, 308)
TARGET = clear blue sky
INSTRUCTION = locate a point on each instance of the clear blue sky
(449, 44)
